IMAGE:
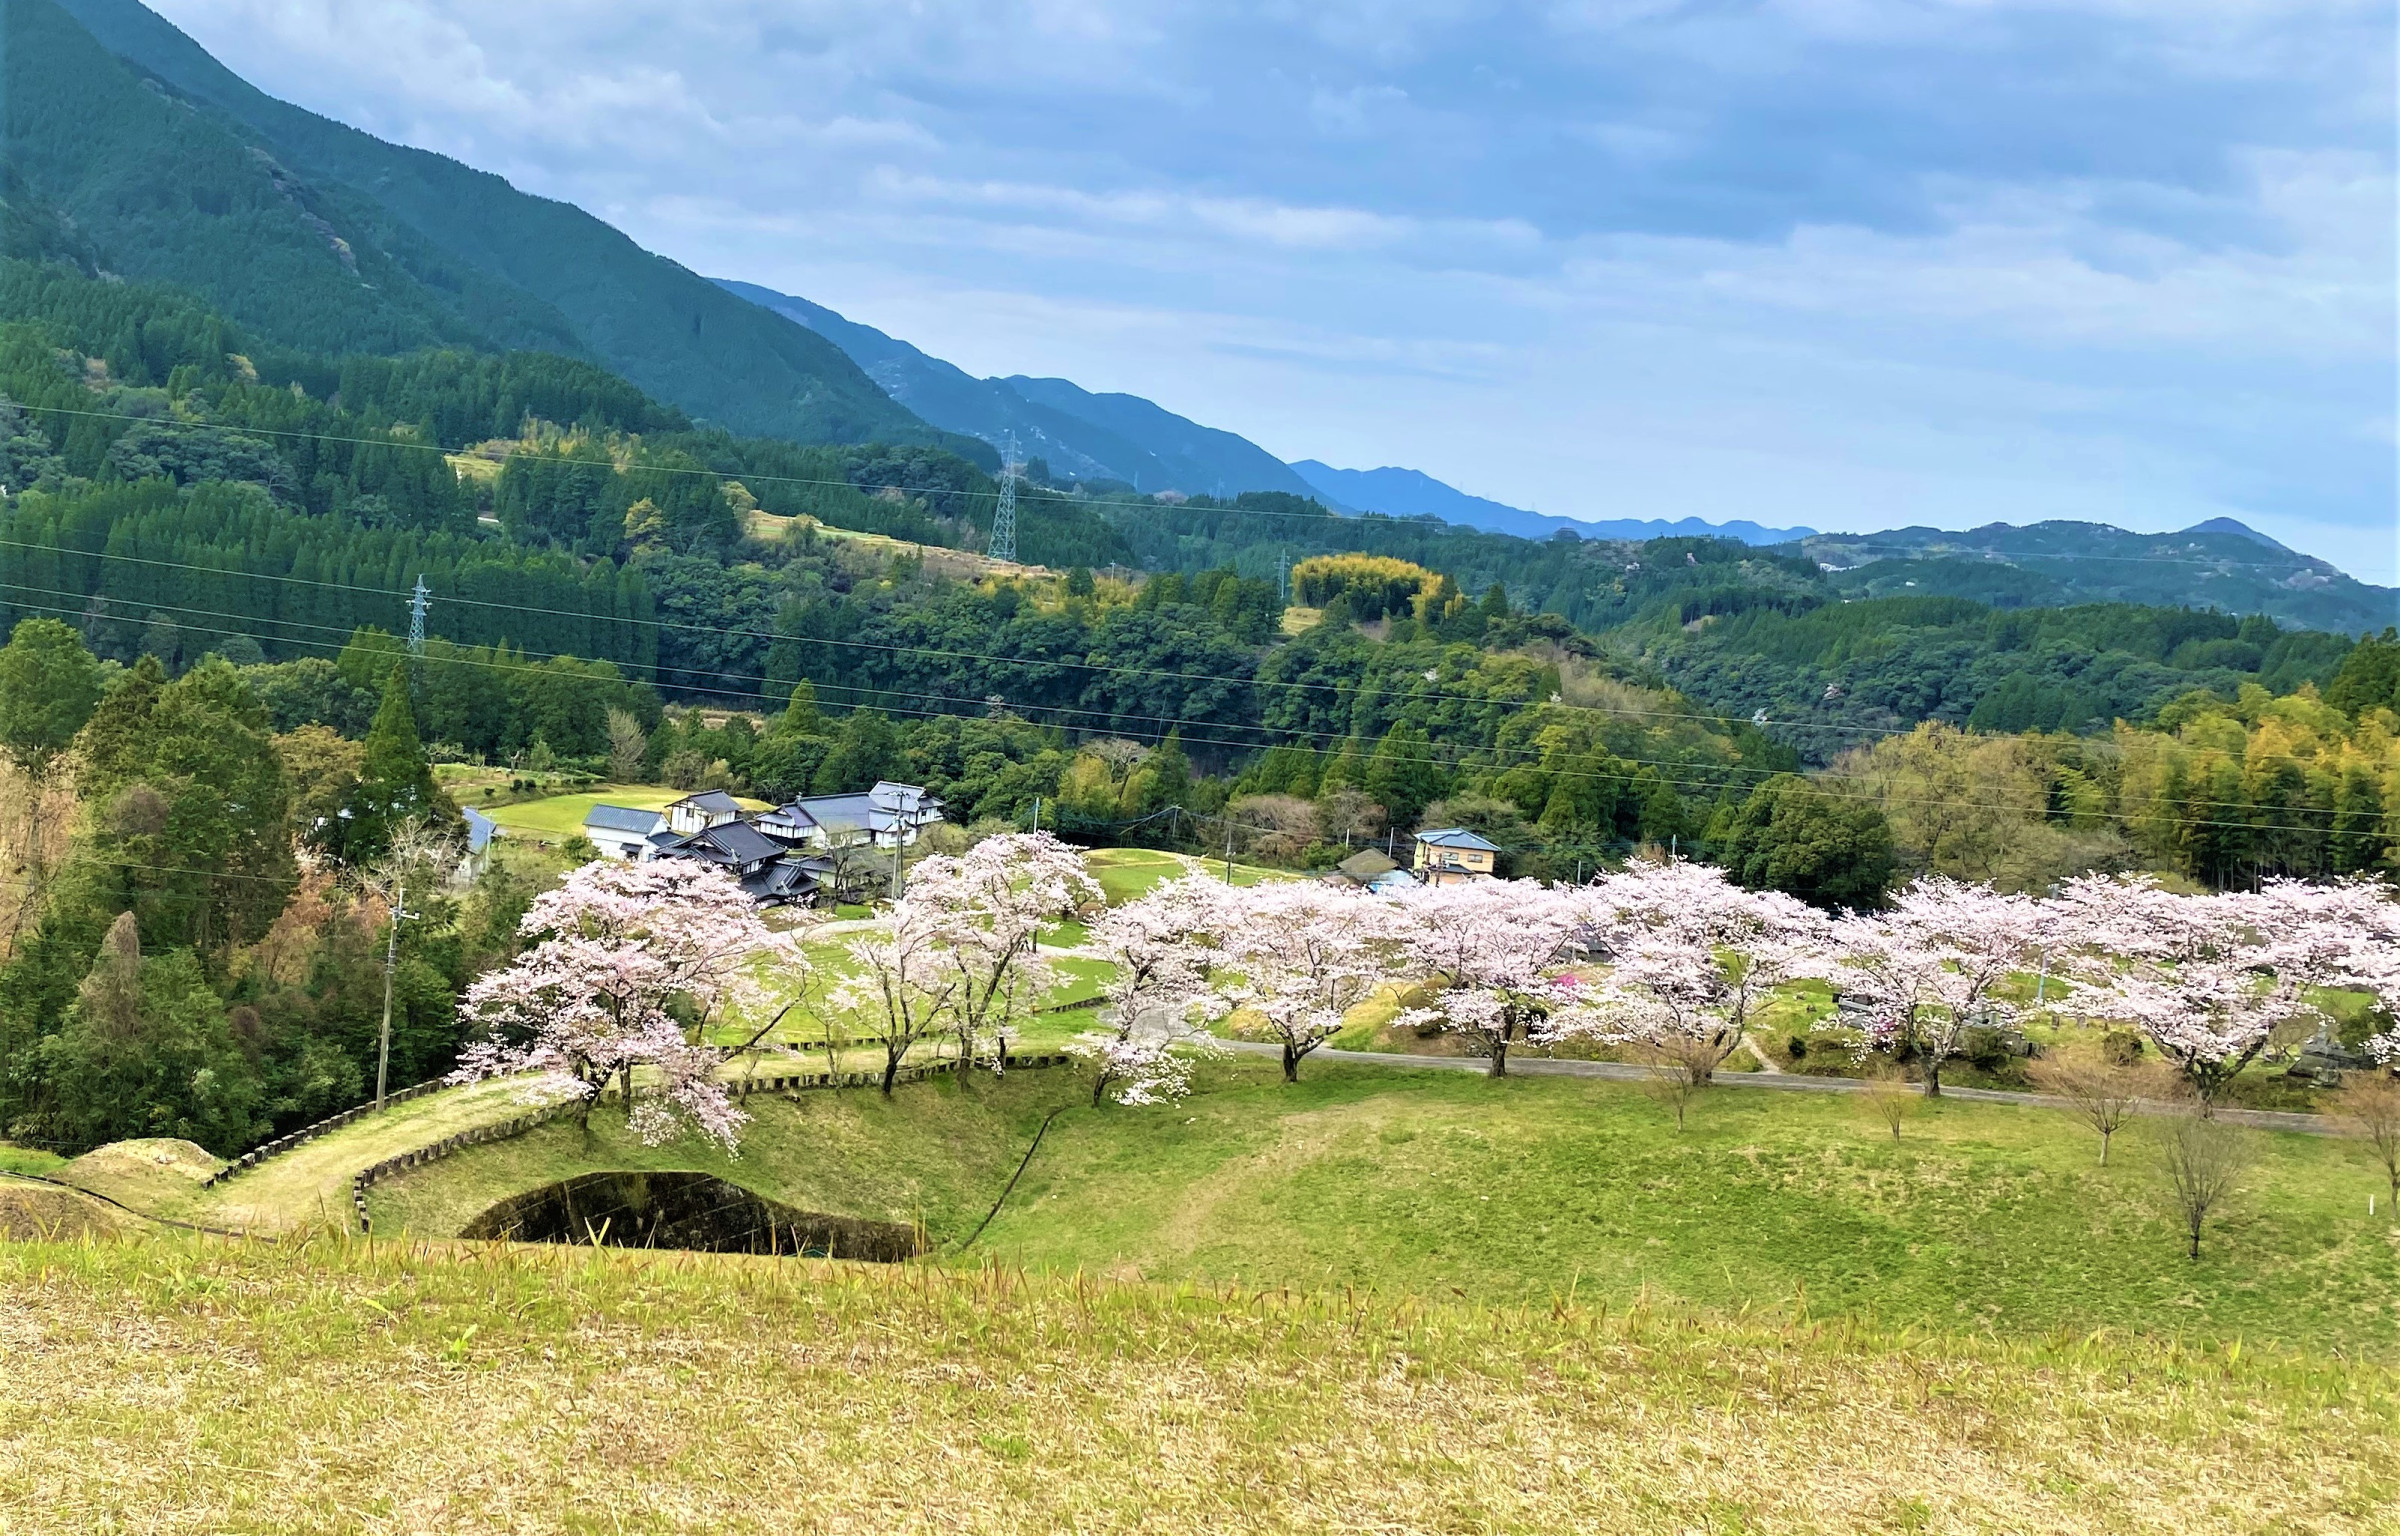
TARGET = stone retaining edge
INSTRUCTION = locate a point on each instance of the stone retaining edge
(789, 1082)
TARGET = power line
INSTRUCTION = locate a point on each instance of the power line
(1729, 774)
(1146, 505)
(1728, 779)
(1614, 711)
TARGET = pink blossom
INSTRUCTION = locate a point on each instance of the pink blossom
(1927, 968)
(1690, 956)
(619, 947)
(2207, 978)
(1493, 948)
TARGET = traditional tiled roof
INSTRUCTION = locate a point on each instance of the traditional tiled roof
(713, 801)
(737, 842)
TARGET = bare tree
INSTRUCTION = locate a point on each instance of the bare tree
(1348, 815)
(1889, 1098)
(2202, 1160)
(2370, 1110)
(627, 747)
(1675, 1071)
(2103, 1095)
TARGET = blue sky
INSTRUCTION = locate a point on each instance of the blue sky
(1850, 263)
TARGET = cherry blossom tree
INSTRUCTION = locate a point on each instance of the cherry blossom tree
(1160, 948)
(1300, 955)
(986, 907)
(1493, 949)
(2207, 978)
(631, 965)
(1927, 969)
(2344, 933)
(1691, 956)
(902, 986)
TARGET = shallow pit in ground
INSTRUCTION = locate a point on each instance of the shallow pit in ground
(695, 1211)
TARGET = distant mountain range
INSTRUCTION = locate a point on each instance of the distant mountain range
(1413, 493)
(125, 149)
(2220, 563)
(1082, 436)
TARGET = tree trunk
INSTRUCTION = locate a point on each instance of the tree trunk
(891, 1070)
(1933, 1077)
(2104, 1135)
(1291, 1062)
(1499, 1066)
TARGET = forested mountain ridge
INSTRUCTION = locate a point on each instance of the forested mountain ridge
(1080, 435)
(2216, 564)
(324, 238)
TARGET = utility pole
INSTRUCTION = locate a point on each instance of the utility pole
(416, 616)
(1004, 516)
(1229, 850)
(391, 961)
(1283, 580)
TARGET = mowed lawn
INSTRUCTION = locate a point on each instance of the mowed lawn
(1983, 1217)
(561, 816)
(182, 1384)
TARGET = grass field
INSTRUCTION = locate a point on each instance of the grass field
(186, 1385)
(1984, 1217)
(561, 816)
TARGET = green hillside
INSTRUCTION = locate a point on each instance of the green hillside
(317, 236)
(2219, 564)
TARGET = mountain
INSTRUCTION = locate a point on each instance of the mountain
(2220, 564)
(1080, 435)
(1413, 493)
(2236, 528)
(314, 235)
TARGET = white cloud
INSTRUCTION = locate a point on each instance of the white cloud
(1546, 251)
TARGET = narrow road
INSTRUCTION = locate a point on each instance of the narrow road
(1794, 1082)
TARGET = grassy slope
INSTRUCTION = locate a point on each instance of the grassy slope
(182, 1385)
(562, 815)
(1984, 1216)
(934, 1152)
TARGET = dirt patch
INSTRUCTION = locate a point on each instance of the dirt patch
(142, 1173)
(35, 1213)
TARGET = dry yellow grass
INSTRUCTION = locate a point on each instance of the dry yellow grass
(177, 1384)
(31, 1212)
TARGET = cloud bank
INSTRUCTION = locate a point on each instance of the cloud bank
(1851, 263)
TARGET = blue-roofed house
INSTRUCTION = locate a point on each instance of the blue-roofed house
(1454, 856)
(481, 829)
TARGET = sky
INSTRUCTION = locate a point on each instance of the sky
(1854, 264)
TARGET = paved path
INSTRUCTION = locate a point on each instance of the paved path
(1795, 1082)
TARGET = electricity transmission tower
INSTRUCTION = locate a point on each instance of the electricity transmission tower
(1004, 517)
(416, 617)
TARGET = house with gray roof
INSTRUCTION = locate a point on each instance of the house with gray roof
(621, 832)
(790, 854)
(697, 813)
